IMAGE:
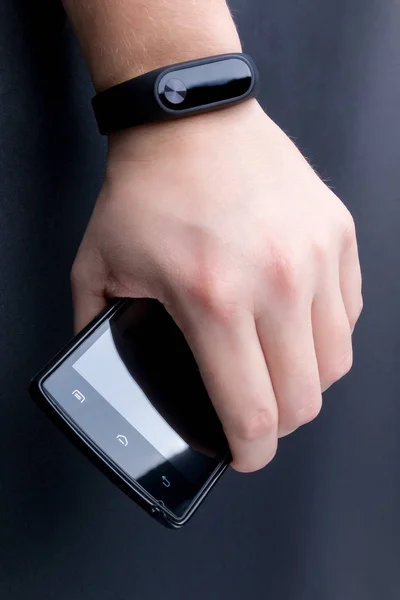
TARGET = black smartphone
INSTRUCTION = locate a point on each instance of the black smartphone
(127, 391)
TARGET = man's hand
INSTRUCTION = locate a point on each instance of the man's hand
(221, 219)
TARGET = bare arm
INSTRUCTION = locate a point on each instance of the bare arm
(124, 38)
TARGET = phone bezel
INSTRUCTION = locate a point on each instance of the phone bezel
(94, 453)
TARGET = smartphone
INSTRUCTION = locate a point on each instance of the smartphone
(127, 391)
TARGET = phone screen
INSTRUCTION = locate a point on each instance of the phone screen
(133, 387)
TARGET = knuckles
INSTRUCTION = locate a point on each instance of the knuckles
(338, 369)
(305, 409)
(348, 228)
(252, 428)
(353, 318)
(309, 411)
(359, 310)
(284, 273)
(284, 265)
(217, 297)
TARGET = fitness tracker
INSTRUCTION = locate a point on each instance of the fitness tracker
(176, 91)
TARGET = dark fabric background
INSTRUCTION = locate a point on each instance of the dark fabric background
(322, 522)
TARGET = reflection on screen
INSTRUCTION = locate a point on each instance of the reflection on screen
(104, 370)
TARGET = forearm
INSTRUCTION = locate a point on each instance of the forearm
(124, 38)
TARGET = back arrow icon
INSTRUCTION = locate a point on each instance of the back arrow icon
(165, 481)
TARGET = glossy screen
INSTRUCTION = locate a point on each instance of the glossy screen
(134, 389)
(202, 85)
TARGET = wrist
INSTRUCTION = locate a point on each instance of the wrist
(180, 138)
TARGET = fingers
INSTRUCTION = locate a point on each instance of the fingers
(308, 348)
(286, 338)
(332, 331)
(233, 368)
(351, 282)
(336, 309)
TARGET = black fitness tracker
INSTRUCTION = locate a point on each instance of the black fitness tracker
(176, 91)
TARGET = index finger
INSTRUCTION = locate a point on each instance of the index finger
(233, 368)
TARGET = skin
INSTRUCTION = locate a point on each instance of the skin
(220, 218)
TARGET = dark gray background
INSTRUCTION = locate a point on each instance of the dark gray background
(322, 522)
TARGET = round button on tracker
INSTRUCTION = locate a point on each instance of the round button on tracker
(175, 91)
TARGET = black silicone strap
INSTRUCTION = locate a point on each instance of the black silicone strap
(176, 91)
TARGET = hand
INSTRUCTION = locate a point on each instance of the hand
(221, 219)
